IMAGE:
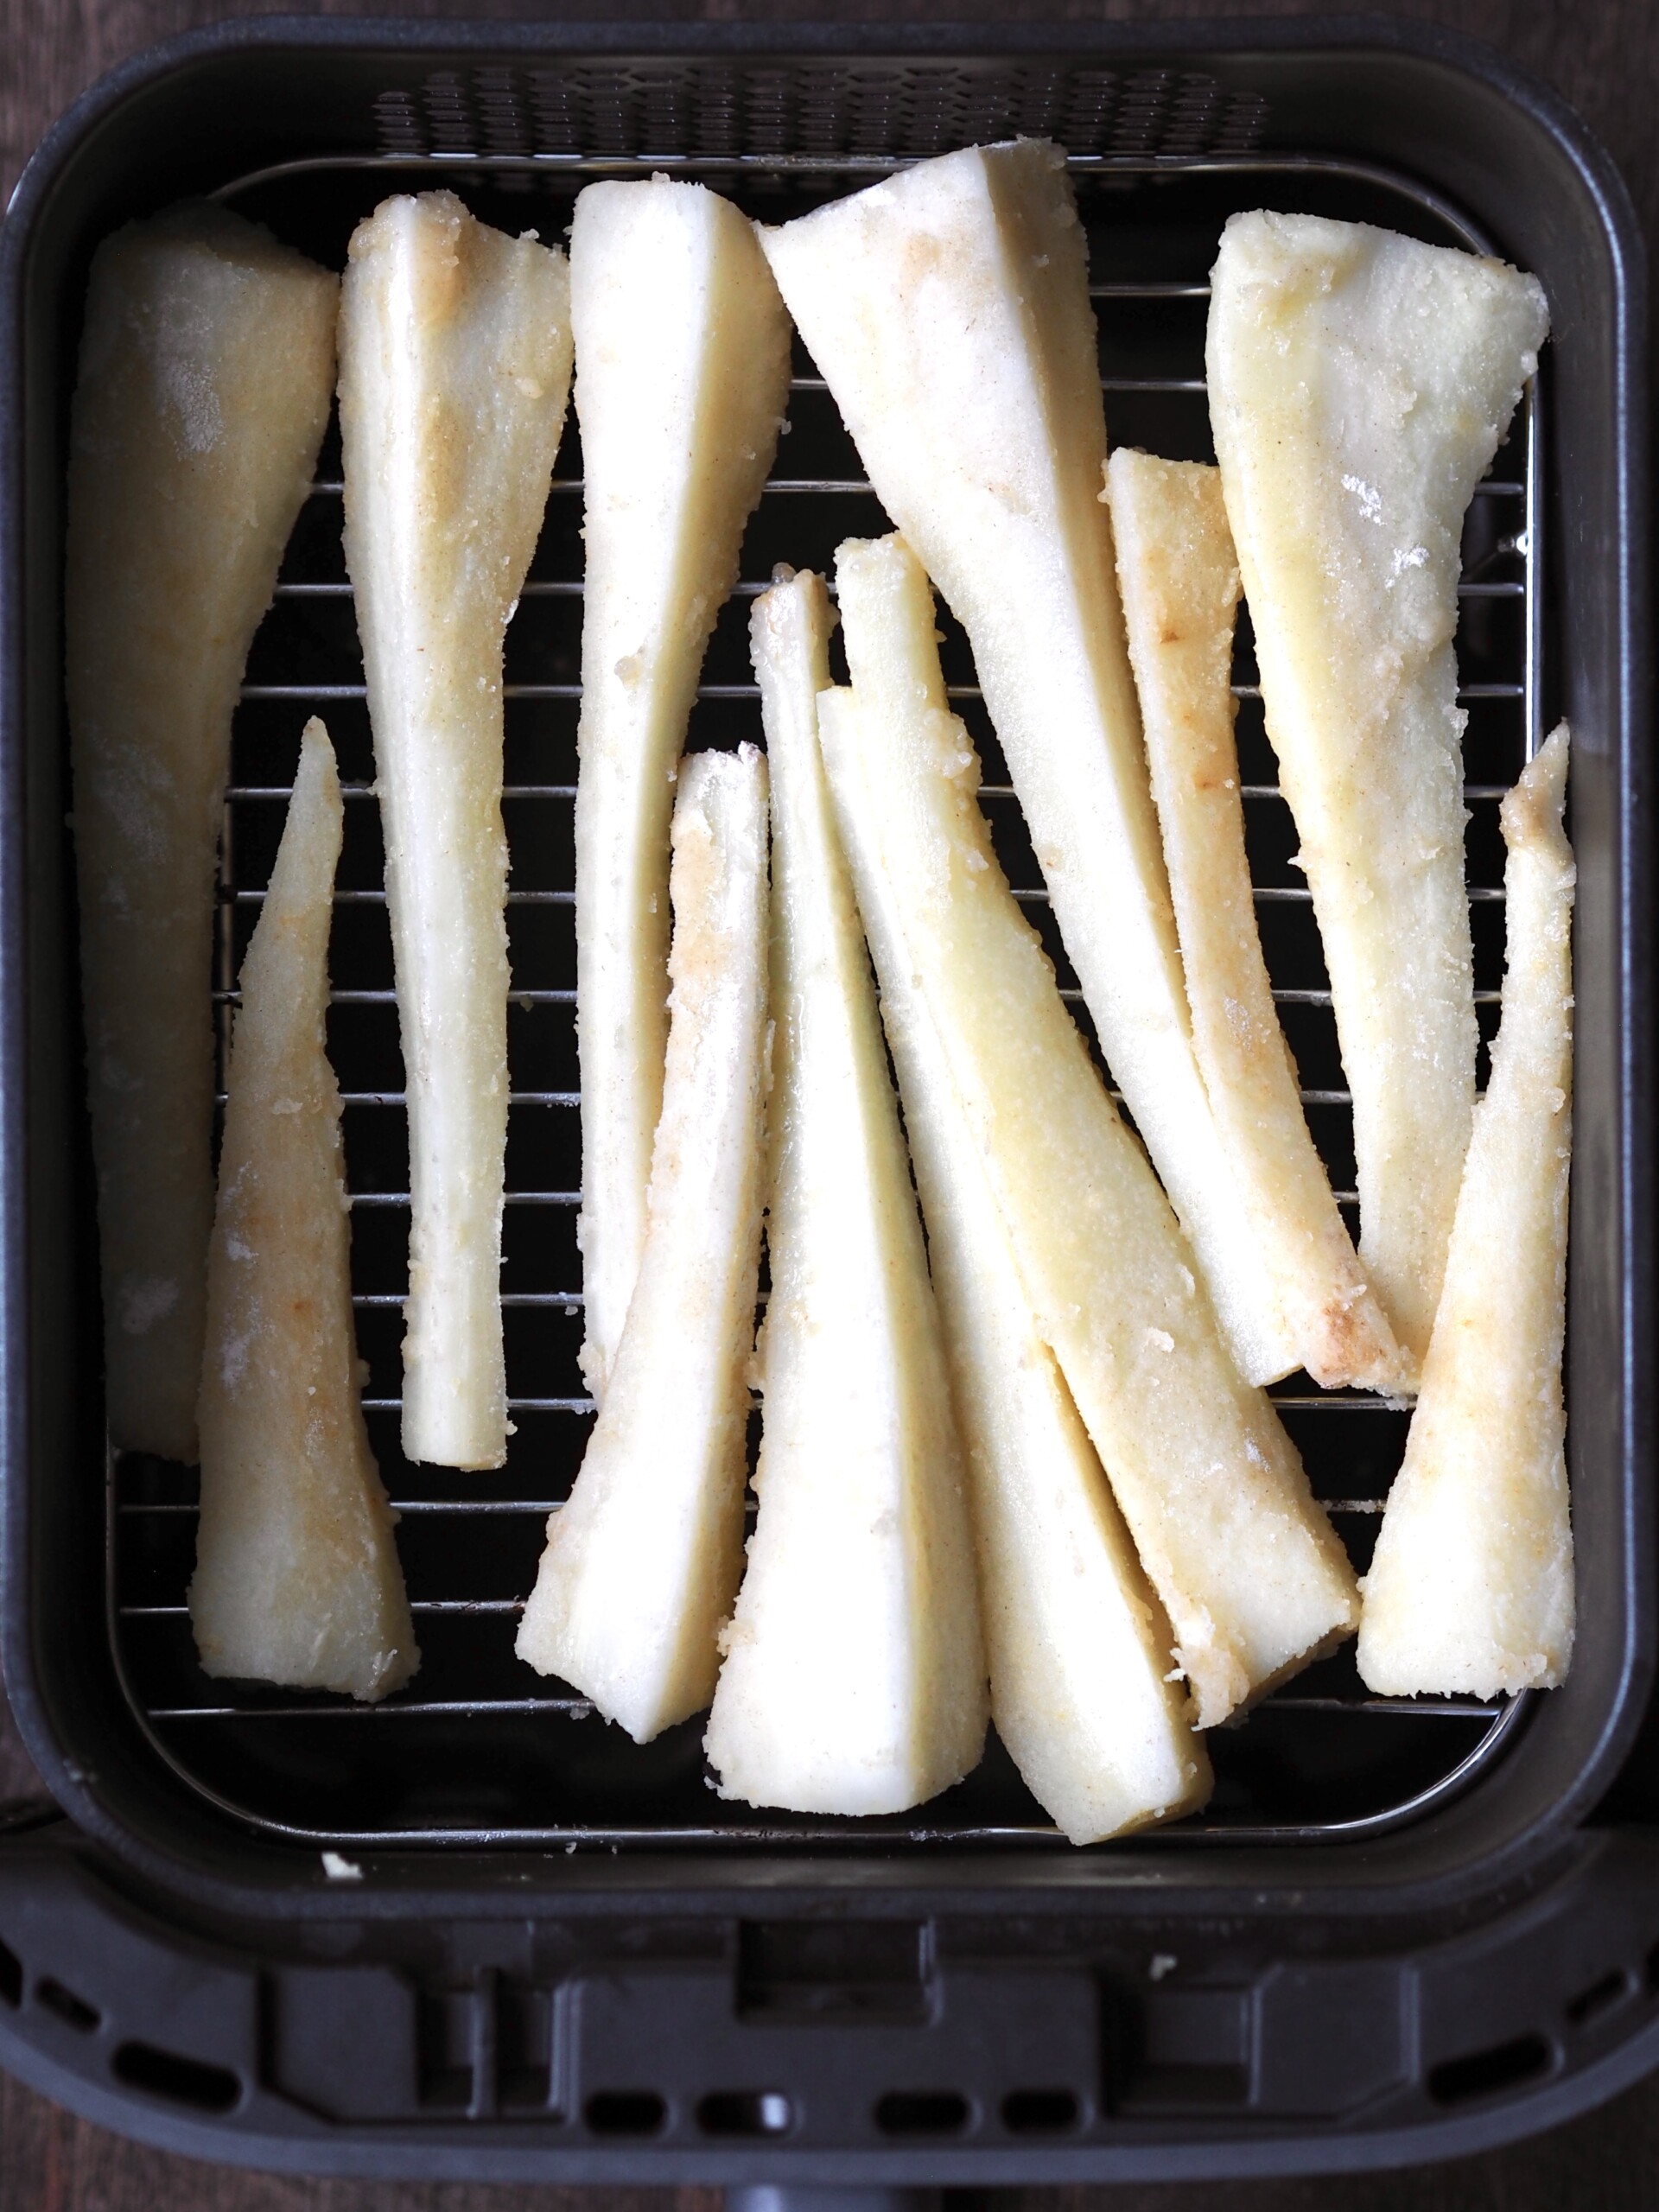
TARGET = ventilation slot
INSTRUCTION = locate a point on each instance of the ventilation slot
(74, 2011)
(178, 2081)
(921, 2111)
(746, 2111)
(626, 2112)
(1600, 1997)
(1485, 2073)
(12, 1977)
(1039, 2112)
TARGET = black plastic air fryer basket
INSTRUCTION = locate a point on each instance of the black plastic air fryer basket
(473, 1932)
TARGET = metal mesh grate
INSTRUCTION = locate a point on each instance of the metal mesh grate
(478, 1749)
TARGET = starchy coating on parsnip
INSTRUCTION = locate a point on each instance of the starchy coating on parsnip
(1246, 1565)
(1180, 582)
(642, 1565)
(455, 357)
(1359, 385)
(1471, 1588)
(948, 308)
(854, 1676)
(681, 380)
(207, 367)
(1079, 1648)
(297, 1579)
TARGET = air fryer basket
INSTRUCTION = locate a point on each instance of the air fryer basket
(566, 1955)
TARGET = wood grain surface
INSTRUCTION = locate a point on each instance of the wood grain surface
(1604, 56)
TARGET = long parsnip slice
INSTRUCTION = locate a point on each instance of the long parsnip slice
(948, 308)
(854, 1674)
(1246, 1565)
(681, 380)
(642, 1564)
(1079, 1648)
(1180, 584)
(296, 1577)
(1471, 1585)
(455, 356)
(1359, 385)
(207, 368)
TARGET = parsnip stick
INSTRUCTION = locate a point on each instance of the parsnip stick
(642, 1565)
(296, 1578)
(1472, 1586)
(682, 377)
(207, 368)
(1252, 1578)
(1359, 385)
(854, 1675)
(1079, 1648)
(456, 357)
(948, 308)
(1179, 581)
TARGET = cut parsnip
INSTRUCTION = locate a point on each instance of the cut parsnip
(1472, 1586)
(455, 355)
(642, 1565)
(296, 1578)
(948, 308)
(1246, 1565)
(1079, 1649)
(206, 372)
(682, 377)
(1179, 584)
(1359, 385)
(854, 1675)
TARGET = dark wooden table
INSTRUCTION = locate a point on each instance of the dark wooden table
(1604, 56)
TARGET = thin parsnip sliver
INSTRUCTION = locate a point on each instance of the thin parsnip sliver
(455, 357)
(297, 1578)
(642, 1565)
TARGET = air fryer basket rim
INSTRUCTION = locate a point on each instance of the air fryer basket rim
(1464, 1870)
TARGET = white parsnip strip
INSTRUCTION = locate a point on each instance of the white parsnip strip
(1245, 1563)
(456, 357)
(296, 1577)
(1359, 385)
(854, 1675)
(1471, 1588)
(681, 380)
(1079, 1649)
(207, 367)
(948, 308)
(642, 1565)
(1180, 584)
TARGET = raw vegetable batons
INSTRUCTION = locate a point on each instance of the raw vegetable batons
(1079, 1649)
(948, 308)
(1359, 385)
(455, 357)
(1472, 1586)
(207, 368)
(1180, 582)
(296, 1578)
(854, 1675)
(642, 1565)
(681, 380)
(1245, 1563)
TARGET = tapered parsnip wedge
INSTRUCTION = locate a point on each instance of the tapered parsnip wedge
(207, 368)
(1079, 1649)
(949, 309)
(1252, 1578)
(1471, 1585)
(642, 1565)
(1179, 584)
(296, 1578)
(682, 377)
(854, 1675)
(455, 355)
(1359, 384)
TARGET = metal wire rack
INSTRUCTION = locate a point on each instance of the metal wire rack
(478, 1749)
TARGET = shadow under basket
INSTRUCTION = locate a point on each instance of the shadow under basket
(474, 1931)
